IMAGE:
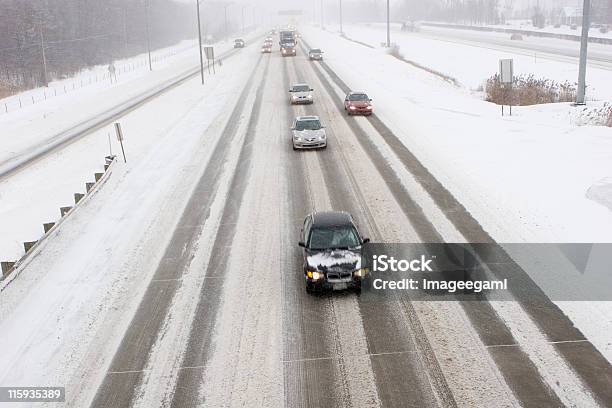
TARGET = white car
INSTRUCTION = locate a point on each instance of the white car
(308, 133)
(300, 93)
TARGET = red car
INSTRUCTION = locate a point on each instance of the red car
(358, 103)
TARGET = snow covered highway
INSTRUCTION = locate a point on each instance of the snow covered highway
(181, 282)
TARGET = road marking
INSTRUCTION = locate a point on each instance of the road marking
(390, 353)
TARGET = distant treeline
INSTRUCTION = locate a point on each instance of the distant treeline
(73, 34)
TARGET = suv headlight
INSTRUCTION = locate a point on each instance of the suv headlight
(315, 275)
(361, 273)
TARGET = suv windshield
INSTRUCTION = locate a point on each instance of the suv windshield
(315, 51)
(333, 238)
(358, 97)
(301, 88)
(311, 124)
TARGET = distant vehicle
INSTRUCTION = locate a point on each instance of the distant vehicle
(239, 43)
(332, 252)
(358, 103)
(288, 48)
(315, 54)
(300, 93)
(516, 37)
(308, 133)
(266, 49)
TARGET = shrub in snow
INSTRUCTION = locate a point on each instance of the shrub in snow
(529, 90)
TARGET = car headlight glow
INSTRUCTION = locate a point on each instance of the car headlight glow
(361, 273)
(309, 96)
(370, 107)
(317, 275)
(352, 107)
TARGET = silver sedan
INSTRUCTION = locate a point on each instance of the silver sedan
(308, 133)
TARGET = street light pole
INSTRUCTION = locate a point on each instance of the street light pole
(242, 12)
(322, 22)
(147, 28)
(340, 3)
(43, 55)
(388, 27)
(586, 23)
(200, 42)
(226, 30)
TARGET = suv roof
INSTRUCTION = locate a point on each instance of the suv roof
(300, 118)
(331, 219)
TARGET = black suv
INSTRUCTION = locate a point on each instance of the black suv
(332, 252)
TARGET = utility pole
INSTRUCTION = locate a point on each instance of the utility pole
(226, 30)
(388, 27)
(242, 17)
(340, 4)
(200, 42)
(147, 28)
(322, 22)
(586, 24)
(43, 55)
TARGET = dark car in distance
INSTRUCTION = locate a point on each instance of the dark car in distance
(332, 252)
(315, 54)
(238, 43)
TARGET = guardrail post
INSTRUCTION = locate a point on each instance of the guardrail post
(65, 210)
(28, 245)
(47, 226)
(6, 267)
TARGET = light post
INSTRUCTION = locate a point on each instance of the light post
(147, 29)
(200, 42)
(584, 41)
(388, 27)
(340, 4)
(322, 22)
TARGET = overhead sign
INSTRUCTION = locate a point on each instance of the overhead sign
(506, 71)
(210, 53)
(290, 12)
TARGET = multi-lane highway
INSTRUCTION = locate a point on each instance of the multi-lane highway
(224, 319)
